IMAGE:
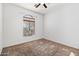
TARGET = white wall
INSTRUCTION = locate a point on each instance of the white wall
(0, 28)
(61, 24)
(13, 25)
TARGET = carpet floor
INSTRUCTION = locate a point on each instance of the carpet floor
(41, 47)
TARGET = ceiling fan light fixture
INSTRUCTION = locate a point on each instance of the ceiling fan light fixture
(44, 5)
(37, 5)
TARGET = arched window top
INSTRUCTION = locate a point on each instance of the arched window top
(28, 17)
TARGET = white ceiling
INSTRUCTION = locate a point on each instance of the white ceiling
(40, 9)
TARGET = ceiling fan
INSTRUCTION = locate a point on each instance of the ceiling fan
(37, 5)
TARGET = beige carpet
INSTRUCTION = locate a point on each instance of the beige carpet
(41, 47)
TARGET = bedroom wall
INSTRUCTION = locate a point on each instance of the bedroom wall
(61, 24)
(13, 25)
(0, 28)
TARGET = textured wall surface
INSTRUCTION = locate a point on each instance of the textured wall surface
(61, 24)
(13, 25)
(0, 28)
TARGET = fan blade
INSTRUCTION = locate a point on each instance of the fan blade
(37, 5)
(44, 5)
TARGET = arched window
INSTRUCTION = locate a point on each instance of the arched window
(29, 25)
